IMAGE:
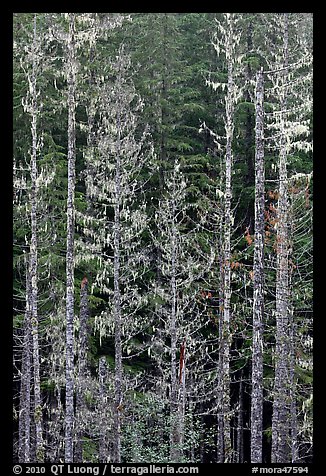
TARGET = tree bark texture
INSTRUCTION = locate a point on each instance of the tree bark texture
(226, 337)
(82, 368)
(33, 262)
(25, 384)
(174, 411)
(103, 443)
(258, 293)
(71, 81)
(117, 299)
(281, 417)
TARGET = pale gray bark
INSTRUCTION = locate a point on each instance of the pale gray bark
(225, 336)
(71, 81)
(281, 417)
(117, 295)
(182, 396)
(258, 292)
(103, 441)
(24, 429)
(219, 398)
(294, 430)
(82, 369)
(174, 433)
(33, 260)
(293, 396)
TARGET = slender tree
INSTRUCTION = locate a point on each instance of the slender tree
(102, 408)
(24, 436)
(32, 107)
(119, 218)
(82, 368)
(288, 77)
(71, 101)
(258, 302)
(183, 265)
(226, 41)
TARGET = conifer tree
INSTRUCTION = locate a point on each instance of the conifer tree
(258, 301)
(226, 41)
(119, 218)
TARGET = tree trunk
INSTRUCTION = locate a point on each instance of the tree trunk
(33, 263)
(249, 119)
(117, 300)
(258, 293)
(174, 413)
(71, 80)
(280, 419)
(25, 385)
(293, 403)
(225, 338)
(220, 427)
(292, 360)
(182, 397)
(103, 443)
(82, 369)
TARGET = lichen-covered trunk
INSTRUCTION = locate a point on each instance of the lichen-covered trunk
(258, 292)
(82, 370)
(182, 397)
(103, 443)
(293, 389)
(225, 341)
(71, 81)
(219, 396)
(24, 429)
(117, 304)
(33, 260)
(281, 417)
(294, 431)
(174, 410)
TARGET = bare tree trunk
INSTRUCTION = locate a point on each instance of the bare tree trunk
(71, 80)
(220, 426)
(25, 385)
(117, 301)
(293, 403)
(174, 414)
(280, 420)
(82, 369)
(258, 293)
(292, 362)
(225, 338)
(103, 443)
(182, 396)
(33, 263)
